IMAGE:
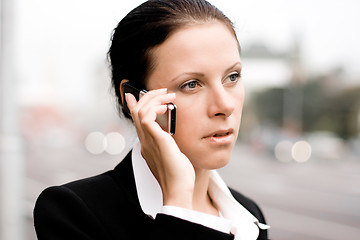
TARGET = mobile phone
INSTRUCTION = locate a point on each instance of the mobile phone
(167, 121)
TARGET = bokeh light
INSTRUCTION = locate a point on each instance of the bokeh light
(301, 151)
(95, 143)
(115, 143)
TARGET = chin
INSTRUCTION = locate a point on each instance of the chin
(220, 163)
(213, 162)
(209, 158)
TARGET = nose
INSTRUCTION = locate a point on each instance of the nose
(221, 102)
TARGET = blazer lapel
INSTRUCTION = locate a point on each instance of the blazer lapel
(124, 177)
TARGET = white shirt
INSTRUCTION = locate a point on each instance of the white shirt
(234, 218)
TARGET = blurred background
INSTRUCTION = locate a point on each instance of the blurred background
(298, 154)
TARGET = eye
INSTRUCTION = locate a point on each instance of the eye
(232, 78)
(190, 85)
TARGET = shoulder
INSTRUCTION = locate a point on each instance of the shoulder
(60, 206)
(110, 188)
(81, 195)
(90, 187)
(77, 191)
(87, 206)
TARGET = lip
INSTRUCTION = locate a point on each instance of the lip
(221, 137)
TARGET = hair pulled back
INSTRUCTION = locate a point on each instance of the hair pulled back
(148, 26)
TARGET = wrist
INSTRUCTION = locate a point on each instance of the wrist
(178, 197)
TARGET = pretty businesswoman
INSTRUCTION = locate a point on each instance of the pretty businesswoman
(183, 52)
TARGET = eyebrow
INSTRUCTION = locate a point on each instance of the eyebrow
(233, 66)
(188, 73)
(197, 74)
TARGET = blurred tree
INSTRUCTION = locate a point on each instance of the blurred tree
(322, 110)
(344, 109)
(314, 105)
(269, 105)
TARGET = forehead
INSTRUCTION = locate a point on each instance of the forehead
(195, 48)
(199, 38)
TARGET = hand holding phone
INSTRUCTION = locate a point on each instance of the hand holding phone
(170, 166)
(166, 121)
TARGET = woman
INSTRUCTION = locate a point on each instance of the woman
(184, 52)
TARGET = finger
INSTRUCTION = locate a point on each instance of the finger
(150, 106)
(155, 92)
(157, 110)
(148, 103)
(145, 111)
(148, 118)
(130, 100)
(158, 96)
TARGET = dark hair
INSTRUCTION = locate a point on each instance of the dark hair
(146, 27)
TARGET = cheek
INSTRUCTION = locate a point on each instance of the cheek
(240, 98)
(188, 115)
(184, 135)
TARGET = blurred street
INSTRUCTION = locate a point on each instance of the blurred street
(301, 120)
(316, 200)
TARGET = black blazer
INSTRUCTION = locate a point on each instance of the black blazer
(106, 207)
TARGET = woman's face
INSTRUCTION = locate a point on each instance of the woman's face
(201, 64)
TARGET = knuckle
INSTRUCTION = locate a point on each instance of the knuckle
(144, 122)
(134, 111)
(141, 114)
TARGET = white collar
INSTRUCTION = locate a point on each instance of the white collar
(151, 202)
(147, 187)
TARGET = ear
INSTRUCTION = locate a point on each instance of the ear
(122, 90)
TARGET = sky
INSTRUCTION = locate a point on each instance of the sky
(61, 44)
(327, 30)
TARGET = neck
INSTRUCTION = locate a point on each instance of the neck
(201, 199)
